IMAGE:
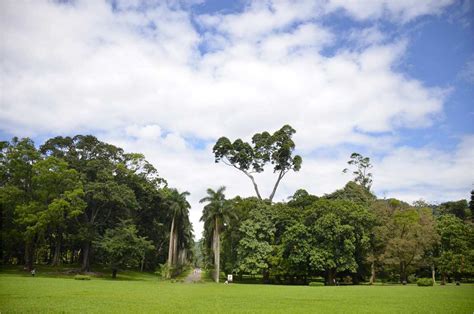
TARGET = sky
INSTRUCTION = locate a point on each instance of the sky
(392, 80)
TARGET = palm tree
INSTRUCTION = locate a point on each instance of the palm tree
(179, 208)
(214, 215)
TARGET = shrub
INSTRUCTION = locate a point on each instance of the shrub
(347, 280)
(412, 278)
(82, 277)
(316, 284)
(424, 282)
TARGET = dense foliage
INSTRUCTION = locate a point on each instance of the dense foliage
(345, 237)
(78, 200)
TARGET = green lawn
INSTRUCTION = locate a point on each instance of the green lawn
(145, 294)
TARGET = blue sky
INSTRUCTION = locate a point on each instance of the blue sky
(392, 80)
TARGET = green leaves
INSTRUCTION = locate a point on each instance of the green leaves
(255, 247)
(122, 247)
(276, 149)
(361, 173)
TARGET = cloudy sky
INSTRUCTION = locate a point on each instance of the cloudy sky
(393, 80)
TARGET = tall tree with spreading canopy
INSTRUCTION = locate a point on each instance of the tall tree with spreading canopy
(215, 214)
(276, 149)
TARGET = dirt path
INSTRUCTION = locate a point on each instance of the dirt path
(194, 276)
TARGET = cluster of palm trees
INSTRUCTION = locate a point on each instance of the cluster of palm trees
(216, 214)
(181, 232)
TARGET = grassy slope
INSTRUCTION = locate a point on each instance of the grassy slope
(135, 292)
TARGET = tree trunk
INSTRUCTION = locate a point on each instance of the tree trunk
(443, 279)
(217, 253)
(280, 176)
(175, 247)
(403, 276)
(143, 262)
(255, 186)
(29, 255)
(85, 257)
(114, 273)
(372, 273)
(332, 277)
(170, 250)
(57, 252)
(433, 274)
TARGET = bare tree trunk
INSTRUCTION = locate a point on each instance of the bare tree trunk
(403, 276)
(170, 249)
(254, 184)
(57, 252)
(280, 176)
(85, 257)
(217, 253)
(372, 273)
(443, 279)
(143, 262)
(433, 273)
(29, 255)
(175, 247)
(332, 277)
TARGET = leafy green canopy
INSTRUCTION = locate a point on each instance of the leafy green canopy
(276, 149)
(122, 247)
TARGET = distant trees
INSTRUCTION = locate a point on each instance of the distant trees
(345, 234)
(276, 149)
(62, 202)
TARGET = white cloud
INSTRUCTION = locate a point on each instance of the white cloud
(467, 72)
(427, 173)
(138, 78)
(400, 10)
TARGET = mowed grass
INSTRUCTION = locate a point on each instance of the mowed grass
(146, 294)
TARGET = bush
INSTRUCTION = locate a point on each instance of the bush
(424, 282)
(82, 277)
(347, 280)
(316, 284)
(412, 278)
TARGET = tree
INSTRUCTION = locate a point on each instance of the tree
(296, 250)
(457, 208)
(59, 191)
(255, 248)
(179, 211)
(362, 175)
(276, 149)
(339, 229)
(122, 247)
(353, 192)
(410, 233)
(471, 205)
(215, 215)
(456, 253)
(302, 199)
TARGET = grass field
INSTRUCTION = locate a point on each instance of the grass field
(144, 293)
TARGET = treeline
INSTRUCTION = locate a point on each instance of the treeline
(347, 236)
(78, 200)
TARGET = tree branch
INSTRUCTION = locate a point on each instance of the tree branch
(280, 176)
